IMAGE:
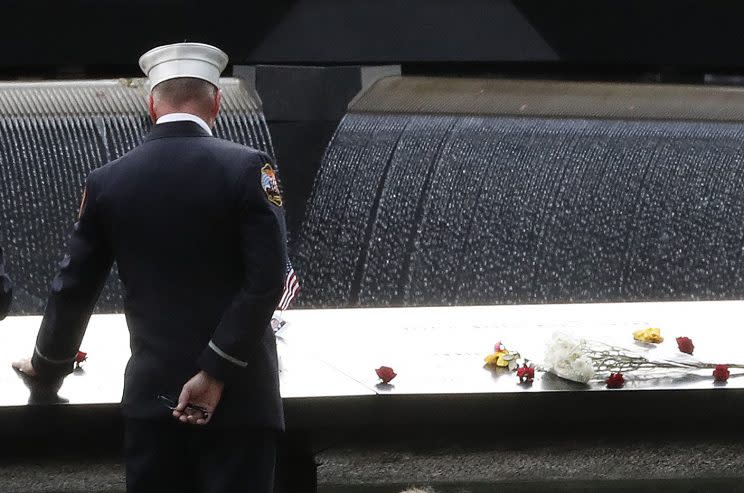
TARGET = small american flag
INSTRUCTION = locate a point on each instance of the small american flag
(291, 288)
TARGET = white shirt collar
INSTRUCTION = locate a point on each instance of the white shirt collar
(179, 117)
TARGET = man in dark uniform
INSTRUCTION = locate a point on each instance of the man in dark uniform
(196, 227)
(6, 289)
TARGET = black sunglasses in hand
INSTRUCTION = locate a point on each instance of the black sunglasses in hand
(198, 412)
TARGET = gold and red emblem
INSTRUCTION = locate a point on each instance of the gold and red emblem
(270, 185)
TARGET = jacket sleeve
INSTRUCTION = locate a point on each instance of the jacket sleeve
(74, 292)
(263, 246)
(6, 289)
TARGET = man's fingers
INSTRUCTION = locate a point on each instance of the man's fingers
(198, 400)
(183, 399)
(201, 412)
(193, 416)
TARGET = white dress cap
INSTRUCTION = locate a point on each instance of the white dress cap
(198, 60)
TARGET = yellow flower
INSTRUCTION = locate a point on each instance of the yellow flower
(648, 335)
(497, 359)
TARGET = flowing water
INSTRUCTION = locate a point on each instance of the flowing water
(440, 210)
(422, 209)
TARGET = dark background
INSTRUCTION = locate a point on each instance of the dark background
(676, 38)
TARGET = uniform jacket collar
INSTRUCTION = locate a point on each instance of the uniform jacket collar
(182, 128)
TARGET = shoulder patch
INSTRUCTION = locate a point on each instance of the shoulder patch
(270, 185)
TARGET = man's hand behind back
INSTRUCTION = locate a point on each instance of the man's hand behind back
(203, 391)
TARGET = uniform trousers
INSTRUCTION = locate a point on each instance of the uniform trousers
(164, 456)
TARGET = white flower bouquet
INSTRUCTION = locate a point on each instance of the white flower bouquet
(580, 360)
(566, 357)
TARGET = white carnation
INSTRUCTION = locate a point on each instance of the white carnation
(565, 356)
(583, 371)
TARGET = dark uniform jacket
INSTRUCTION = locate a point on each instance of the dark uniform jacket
(6, 289)
(200, 249)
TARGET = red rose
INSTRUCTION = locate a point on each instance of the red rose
(615, 381)
(721, 373)
(526, 374)
(685, 345)
(385, 373)
(80, 357)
